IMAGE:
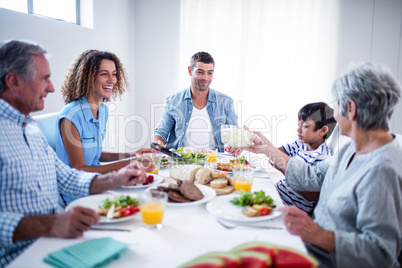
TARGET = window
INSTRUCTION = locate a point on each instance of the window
(272, 57)
(64, 10)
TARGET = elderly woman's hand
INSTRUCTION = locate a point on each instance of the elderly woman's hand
(299, 223)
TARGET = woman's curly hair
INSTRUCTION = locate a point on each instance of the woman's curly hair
(80, 79)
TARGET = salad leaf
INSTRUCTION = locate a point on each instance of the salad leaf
(249, 199)
(123, 201)
(239, 160)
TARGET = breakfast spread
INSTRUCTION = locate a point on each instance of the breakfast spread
(182, 191)
(165, 161)
(236, 162)
(219, 181)
(118, 207)
(255, 204)
(190, 155)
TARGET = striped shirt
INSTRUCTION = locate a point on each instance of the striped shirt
(298, 150)
(31, 177)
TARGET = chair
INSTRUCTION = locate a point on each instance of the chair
(47, 123)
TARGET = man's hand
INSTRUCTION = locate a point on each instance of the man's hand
(133, 173)
(73, 223)
(129, 175)
(67, 225)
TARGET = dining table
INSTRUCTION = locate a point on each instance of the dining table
(188, 231)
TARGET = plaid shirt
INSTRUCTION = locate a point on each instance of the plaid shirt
(31, 177)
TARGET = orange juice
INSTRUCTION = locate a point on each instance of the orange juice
(152, 213)
(212, 157)
(243, 184)
(155, 171)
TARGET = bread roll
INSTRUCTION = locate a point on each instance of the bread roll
(218, 183)
(225, 190)
(192, 174)
(182, 172)
(203, 176)
(221, 174)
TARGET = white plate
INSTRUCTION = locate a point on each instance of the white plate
(207, 191)
(94, 201)
(157, 180)
(222, 208)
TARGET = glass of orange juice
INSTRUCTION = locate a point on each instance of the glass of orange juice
(154, 163)
(152, 207)
(212, 156)
(243, 178)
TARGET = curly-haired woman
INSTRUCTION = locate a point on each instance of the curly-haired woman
(94, 78)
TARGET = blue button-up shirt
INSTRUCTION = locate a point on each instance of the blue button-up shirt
(176, 116)
(92, 131)
(31, 176)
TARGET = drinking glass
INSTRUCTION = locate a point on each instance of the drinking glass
(153, 164)
(243, 178)
(212, 156)
(152, 207)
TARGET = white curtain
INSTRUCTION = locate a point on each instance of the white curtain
(272, 56)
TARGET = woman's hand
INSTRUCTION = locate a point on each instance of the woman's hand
(144, 150)
(299, 223)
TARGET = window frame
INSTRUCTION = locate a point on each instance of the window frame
(77, 11)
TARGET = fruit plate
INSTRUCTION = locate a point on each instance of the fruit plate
(94, 201)
(157, 180)
(222, 208)
(207, 191)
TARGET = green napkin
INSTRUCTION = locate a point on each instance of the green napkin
(92, 253)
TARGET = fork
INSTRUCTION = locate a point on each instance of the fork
(234, 225)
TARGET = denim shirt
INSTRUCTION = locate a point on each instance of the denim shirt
(176, 116)
(92, 131)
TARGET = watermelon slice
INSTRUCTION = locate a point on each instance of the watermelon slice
(205, 263)
(259, 247)
(231, 260)
(253, 259)
(288, 257)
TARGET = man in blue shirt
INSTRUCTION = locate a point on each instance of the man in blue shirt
(31, 175)
(193, 117)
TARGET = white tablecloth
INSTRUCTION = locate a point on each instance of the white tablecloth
(188, 232)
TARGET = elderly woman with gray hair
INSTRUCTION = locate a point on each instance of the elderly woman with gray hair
(357, 221)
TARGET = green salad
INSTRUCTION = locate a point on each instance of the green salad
(249, 199)
(189, 157)
(121, 201)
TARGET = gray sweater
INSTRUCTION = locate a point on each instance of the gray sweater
(361, 203)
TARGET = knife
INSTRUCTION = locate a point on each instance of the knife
(166, 151)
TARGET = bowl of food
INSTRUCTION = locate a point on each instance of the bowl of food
(189, 155)
(235, 136)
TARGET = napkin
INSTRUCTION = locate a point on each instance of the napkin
(91, 253)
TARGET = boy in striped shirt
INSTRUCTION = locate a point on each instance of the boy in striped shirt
(316, 123)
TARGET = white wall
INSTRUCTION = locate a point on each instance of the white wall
(113, 31)
(157, 54)
(371, 30)
(145, 34)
